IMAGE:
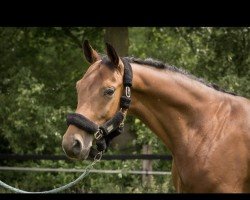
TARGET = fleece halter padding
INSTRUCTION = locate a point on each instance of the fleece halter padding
(82, 122)
(114, 126)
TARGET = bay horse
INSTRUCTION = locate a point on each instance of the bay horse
(206, 128)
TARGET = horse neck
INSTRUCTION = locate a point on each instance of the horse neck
(169, 103)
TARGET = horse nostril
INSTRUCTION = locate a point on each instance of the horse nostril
(77, 147)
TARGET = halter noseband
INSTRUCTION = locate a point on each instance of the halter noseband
(114, 126)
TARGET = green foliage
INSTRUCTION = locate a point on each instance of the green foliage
(215, 54)
(24, 98)
(39, 68)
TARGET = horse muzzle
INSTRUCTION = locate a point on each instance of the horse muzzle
(75, 147)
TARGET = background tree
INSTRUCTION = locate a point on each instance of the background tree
(118, 37)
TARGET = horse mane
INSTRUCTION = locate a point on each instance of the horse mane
(160, 65)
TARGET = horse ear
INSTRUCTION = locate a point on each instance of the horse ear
(113, 56)
(90, 54)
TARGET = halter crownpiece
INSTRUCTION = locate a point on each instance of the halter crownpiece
(114, 126)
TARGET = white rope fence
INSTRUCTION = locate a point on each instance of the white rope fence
(81, 170)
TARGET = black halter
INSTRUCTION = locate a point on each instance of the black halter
(114, 126)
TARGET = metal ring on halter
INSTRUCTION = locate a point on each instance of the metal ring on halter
(96, 158)
(99, 134)
(128, 91)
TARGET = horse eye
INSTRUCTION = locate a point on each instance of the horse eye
(109, 91)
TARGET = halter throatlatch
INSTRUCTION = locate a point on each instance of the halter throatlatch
(114, 126)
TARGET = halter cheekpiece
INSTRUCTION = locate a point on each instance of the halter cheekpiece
(114, 126)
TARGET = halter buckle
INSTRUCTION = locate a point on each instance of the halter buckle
(128, 92)
(99, 134)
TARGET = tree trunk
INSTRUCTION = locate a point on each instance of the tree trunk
(118, 38)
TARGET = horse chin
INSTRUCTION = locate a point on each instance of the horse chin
(88, 155)
(84, 155)
(92, 153)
